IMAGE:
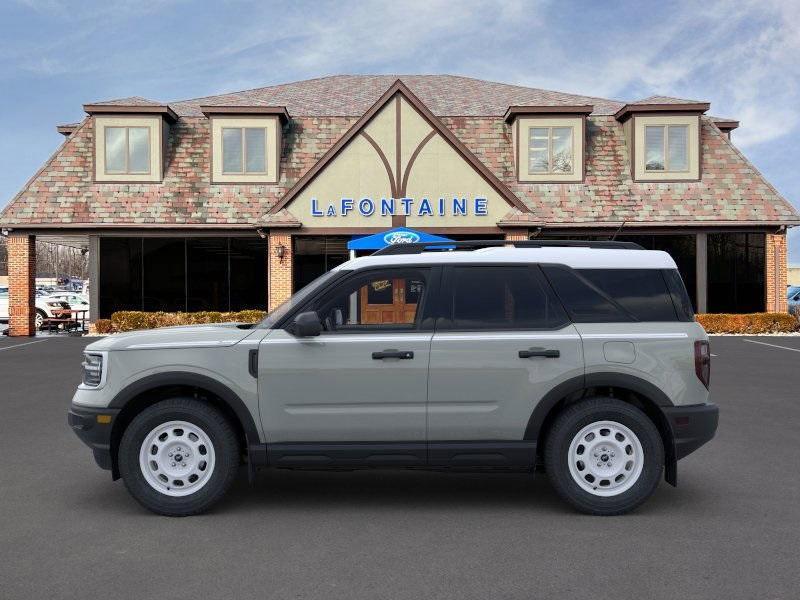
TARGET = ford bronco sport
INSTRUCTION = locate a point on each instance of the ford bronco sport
(581, 359)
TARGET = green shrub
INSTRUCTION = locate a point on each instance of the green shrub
(752, 323)
(130, 320)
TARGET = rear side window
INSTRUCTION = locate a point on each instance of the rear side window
(642, 292)
(502, 298)
(585, 302)
(680, 297)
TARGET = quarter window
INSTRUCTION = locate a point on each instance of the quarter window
(666, 147)
(244, 150)
(127, 150)
(502, 298)
(550, 150)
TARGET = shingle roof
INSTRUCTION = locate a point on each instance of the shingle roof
(352, 95)
(63, 193)
(130, 101)
(665, 100)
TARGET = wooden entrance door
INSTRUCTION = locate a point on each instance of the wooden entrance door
(390, 301)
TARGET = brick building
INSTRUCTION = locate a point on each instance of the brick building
(234, 201)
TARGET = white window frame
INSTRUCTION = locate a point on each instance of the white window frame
(665, 148)
(244, 171)
(127, 129)
(550, 170)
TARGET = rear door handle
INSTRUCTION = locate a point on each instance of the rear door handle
(533, 352)
(401, 354)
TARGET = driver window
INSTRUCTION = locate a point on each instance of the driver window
(381, 300)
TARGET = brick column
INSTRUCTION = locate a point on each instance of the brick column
(279, 284)
(21, 284)
(516, 235)
(775, 273)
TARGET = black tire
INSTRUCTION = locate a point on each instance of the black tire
(570, 422)
(217, 428)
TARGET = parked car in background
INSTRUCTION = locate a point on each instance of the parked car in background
(75, 300)
(47, 307)
(793, 297)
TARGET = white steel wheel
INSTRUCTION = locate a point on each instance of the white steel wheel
(38, 320)
(177, 458)
(605, 458)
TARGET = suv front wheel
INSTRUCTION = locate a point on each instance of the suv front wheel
(178, 456)
(604, 456)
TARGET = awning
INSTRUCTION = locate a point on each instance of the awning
(398, 235)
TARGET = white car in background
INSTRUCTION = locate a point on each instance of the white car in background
(77, 301)
(46, 307)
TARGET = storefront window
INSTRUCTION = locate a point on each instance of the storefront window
(180, 274)
(735, 272)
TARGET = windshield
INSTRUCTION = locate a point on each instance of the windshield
(299, 297)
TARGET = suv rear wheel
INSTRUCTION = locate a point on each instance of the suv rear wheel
(178, 457)
(604, 456)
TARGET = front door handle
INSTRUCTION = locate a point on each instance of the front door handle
(533, 352)
(401, 354)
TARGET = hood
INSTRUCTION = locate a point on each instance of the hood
(215, 335)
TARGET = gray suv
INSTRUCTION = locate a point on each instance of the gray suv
(582, 360)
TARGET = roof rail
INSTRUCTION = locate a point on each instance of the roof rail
(419, 247)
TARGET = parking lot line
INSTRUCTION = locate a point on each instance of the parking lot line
(773, 345)
(20, 345)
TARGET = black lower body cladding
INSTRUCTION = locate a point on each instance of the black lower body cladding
(93, 426)
(692, 426)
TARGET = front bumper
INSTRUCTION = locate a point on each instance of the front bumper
(692, 426)
(93, 426)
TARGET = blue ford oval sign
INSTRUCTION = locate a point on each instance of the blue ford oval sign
(401, 237)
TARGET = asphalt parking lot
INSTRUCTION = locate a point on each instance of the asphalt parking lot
(730, 530)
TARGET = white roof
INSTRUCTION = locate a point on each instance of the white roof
(575, 257)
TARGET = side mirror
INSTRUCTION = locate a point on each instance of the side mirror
(307, 324)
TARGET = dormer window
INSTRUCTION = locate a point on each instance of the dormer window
(127, 150)
(130, 140)
(548, 142)
(550, 150)
(666, 148)
(245, 143)
(244, 150)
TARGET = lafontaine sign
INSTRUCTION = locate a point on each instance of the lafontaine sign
(422, 207)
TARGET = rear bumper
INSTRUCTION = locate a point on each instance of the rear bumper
(95, 434)
(692, 426)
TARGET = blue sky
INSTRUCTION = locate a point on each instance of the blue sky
(56, 55)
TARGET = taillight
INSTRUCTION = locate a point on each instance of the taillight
(702, 362)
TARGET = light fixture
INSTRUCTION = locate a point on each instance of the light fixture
(261, 233)
(280, 252)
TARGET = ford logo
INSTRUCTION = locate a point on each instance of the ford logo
(401, 237)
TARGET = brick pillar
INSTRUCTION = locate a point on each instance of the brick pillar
(279, 283)
(516, 235)
(21, 284)
(775, 273)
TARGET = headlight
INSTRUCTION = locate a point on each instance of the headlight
(53, 304)
(92, 369)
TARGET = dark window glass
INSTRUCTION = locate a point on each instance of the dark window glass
(207, 274)
(315, 255)
(735, 272)
(164, 274)
(683, 305)
(584, 303)
(120, 266)
(248, 273)
(502, 298)
(642, 292)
